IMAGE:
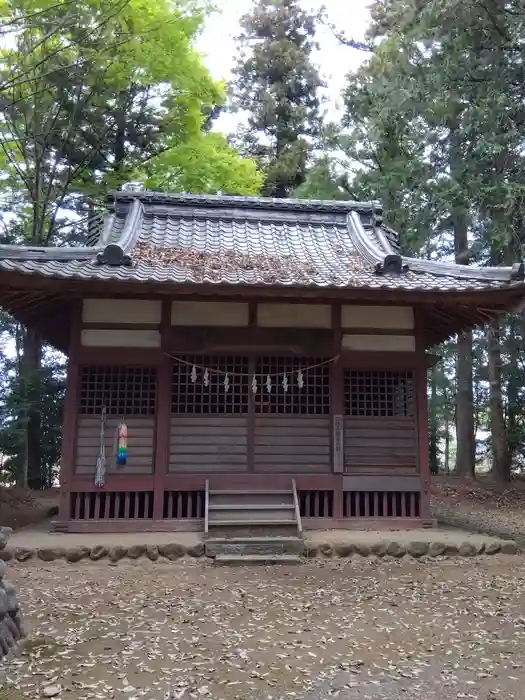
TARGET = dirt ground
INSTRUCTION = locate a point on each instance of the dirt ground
(19, 508)
(481, 505)
(354, 630)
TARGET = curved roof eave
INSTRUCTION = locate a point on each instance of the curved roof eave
(371, 253)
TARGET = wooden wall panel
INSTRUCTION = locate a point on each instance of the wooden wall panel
(377, 443)
(208, 443)
(141, 441)
(292, 444)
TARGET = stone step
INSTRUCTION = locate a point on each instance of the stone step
(266, 528)
(250, 521)
(261, 516)
(251, 497)
(256, 559)
(250, 506)
(253, 545)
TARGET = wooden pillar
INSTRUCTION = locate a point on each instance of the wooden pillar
(251, 417)
(67, 461)
(162, 416)
(337, 409)
(422, 416)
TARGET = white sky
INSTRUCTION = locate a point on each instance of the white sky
(351, 17)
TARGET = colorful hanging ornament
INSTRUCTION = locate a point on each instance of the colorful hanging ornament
(268, 384)
(285, 383)
(226, 383)
(300, 379)
(254, 384)
(206, 377)
(122, 445)
(193, 375)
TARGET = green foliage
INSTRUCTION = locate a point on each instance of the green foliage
(205, 165)
(276, 84)
(93, 94)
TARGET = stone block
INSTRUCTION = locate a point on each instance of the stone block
(24, 553)
(418, 549)
(75, 554)
(136, 551)
(51, 553)
(172, 551)
(117, 553)
(396, 549)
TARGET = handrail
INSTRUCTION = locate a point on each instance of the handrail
(206, 506)
(297, 509)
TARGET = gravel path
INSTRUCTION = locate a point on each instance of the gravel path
(355, 630)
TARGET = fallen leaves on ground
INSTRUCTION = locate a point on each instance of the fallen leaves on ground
(358, 629)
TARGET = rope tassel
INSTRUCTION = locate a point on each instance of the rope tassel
(100, 471)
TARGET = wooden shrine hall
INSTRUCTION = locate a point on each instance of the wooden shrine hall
(245, 346)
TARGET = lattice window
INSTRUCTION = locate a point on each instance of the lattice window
(313, 398)
(123, 391)
(316, 504)
(111, 505)
(381, 504)
(382, 394)
(210, 397)
(183, 505)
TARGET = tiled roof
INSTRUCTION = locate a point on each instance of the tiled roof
(250, 241)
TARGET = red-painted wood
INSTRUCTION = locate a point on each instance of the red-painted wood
(114, 482)
(67, 462)
(336, 398)
(197, 524)
(379, 360)
(163, 416)
(422, 416)
(121, 356)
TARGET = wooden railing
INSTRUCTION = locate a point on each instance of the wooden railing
(297, 509)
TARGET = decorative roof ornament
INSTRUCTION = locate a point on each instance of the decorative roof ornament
(391, 265)
(114, 256)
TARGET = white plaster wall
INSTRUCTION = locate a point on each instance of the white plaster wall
(209, 313)
(294, 315)
(383, 317)
(139, 311)
(119, 338)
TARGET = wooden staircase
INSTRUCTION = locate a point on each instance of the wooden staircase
(253, 527)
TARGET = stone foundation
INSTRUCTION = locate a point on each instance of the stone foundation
(172, 551)
(11, 629)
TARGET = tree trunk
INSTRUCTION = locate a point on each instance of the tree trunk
(447, 447)
(465, 435)
(433, 427)
(501, 458)
(460, 220)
